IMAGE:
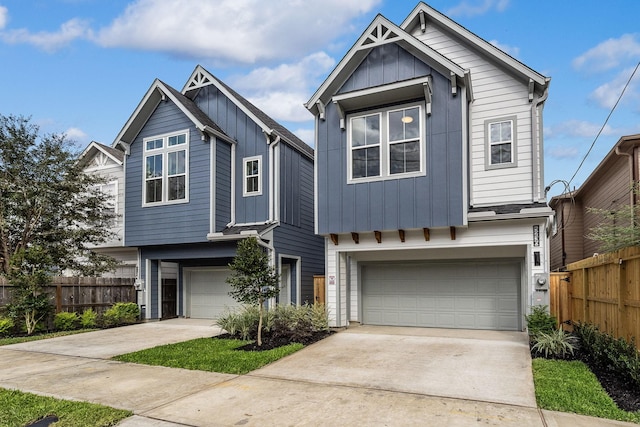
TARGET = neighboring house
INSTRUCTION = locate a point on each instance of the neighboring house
(205, 168)
(610, 186)
(429, 179)
(109, 163)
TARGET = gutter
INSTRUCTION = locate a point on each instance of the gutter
(538, 143)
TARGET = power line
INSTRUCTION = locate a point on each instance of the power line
(605, 122)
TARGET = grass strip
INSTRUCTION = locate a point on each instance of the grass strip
(569, 386)
(19, 409)
(209, 354)
(18, 340)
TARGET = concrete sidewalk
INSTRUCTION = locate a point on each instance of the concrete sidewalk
(362, 376)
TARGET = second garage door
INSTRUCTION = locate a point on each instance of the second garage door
(208, 293)
(468, 295)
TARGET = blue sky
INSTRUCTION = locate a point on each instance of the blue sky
(80, 67)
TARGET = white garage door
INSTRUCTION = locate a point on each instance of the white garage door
(208, 293)
(467, 295)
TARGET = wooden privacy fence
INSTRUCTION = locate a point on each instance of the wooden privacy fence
(81, 293)
(603, 290)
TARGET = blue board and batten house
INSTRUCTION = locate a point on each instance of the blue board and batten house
(205, 168)
(429, 186)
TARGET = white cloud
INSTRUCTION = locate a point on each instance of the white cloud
(76, 134)
(245, 31)
(564, 152)
(280, 91)
(4, 16)
(511, 50)
(474, 8)
(581, 129)
(49, 41)
(607, 95)
(609, 54)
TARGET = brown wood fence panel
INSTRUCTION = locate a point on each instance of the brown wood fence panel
(318, 289)
(605, 291)
(560, 297)
(81, 293)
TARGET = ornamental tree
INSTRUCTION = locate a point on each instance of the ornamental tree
(252, 279)
(47, 201)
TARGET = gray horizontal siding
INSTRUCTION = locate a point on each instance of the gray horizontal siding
(434, 200)
(251, 142)
(167, 224)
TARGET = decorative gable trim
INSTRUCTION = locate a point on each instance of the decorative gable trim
(159, 92)
(379, 32)
(97, 156)
(423, 14)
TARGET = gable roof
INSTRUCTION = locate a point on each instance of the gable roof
(158, 92)
(201, 77)
(94, 148)
(423, 13)
(382, 31)
(624, 146)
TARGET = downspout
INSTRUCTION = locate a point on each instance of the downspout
(272, 184)
(537, 127)
(632, 197)
(233, 186)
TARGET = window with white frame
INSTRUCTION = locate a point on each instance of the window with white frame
(166, 160)
(386, 143)
(110, 190)
(252, 176)
(501, 143)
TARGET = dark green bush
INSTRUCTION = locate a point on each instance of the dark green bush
(121, 313)
(65, 321)
(607, 352)
(539, 320)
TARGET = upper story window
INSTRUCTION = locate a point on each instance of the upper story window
(110, 190)
(252, 176)
(501, 143)
(386, 143)
(166, 160)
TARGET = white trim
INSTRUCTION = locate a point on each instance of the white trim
(213, 145)
(245, 161)
(164, 151)
(298, 272)
(276, 181)
(384, 145)
(147, 287)
(233, 186)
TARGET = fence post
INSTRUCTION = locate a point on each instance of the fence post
(585, 295)
(622, 289)
(58, 298)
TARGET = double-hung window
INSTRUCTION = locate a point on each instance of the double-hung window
(252, 176)
(386, 143)
(501, 143)
(166, 160)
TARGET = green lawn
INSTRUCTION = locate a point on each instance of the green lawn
(17, 340)
(208, 354)
(571, 387)
(19, 409)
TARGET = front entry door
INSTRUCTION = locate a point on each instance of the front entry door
(169, 298)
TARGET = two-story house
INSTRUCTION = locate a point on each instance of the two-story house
(108, 162)
(205, 168)
(429, 179)
(611, 185)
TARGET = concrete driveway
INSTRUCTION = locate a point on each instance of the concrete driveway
(362, 376)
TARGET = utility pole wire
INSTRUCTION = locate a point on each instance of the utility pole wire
(605, 122)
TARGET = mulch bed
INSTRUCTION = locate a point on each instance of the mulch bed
(269, 341)
(621, 390)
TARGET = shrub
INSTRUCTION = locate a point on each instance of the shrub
(606, 352)
(121, 313)
(554, 345)
(65, 321)
(283, 322)
(541, 321)
(6, 326)
(89, 319)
